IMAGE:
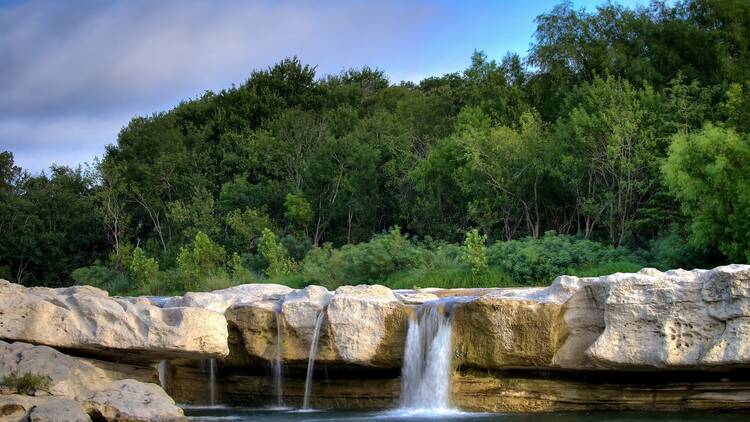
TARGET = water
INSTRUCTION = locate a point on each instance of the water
(426, 370)
(311, 359)
(212, 381)
(163, 375)
(216, 414)
(277, 368)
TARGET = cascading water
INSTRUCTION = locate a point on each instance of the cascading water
(311, 359)
(212, 381)
(426, 371)
(163, 375)
(277, 368)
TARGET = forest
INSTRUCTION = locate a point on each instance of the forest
(620, 141)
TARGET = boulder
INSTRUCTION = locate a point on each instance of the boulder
(221, 300)
(82, 382)
(676, 320)
(361, 325)
(255, 324)
(86, 319)
(367, 325)
(496, 331)
(132, 400)
(18, 408)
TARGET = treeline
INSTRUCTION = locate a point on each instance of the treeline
(623, 129)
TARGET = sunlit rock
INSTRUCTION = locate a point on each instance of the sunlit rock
(86, 319)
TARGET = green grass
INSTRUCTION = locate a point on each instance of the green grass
(456, 277)
(27, 383)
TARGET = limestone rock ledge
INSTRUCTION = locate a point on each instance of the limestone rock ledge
(650, 320)
(78, 390)
(361, 325)
(86, 320)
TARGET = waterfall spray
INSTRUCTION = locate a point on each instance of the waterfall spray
(277, 368)
(426, 371)
(212, 381)
(163, 375)
(311, 359)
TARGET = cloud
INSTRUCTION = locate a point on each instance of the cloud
(83, 56)
(67, 140)
(73, 73)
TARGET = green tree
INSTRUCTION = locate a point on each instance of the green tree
(143, 270)
(279, 263)
(475, 252)
(298, 210)
(513, 162)
(610, 153)
(709, 173)
(205, 258)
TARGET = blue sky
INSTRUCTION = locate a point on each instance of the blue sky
(75, 72)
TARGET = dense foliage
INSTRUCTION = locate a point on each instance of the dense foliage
(621, 140)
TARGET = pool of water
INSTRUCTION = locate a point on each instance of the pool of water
(224, 413)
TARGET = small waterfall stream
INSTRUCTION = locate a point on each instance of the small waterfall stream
(311, 359)
(426, 371)
(277, 364)
(163, 375)
(212, 381)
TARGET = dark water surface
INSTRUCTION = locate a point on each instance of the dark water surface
(221, 413)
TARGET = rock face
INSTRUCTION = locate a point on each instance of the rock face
(649, 320)
(678, 319)
(85, 319)
(362, 325)
(367, 325)
(18, 408)
(667, 340)
(78, 387)
(221, 300)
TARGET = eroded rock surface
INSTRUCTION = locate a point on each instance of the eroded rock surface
(649, 320)
(78, 385)
(678, 319)
(86, 319)
(221, 300)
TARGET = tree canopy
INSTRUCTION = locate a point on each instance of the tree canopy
(625, 126)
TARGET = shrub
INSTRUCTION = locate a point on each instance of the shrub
(27, 383)
(456, 277)
(279, 264)
(367, 262)
(240, 273)
(475, 252)
(143, 270)
(196, 264)
(539, 261)
(103, 277)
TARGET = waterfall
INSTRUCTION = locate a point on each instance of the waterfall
(311, 359)
(163, 375)
(212, 381)
(277, 369)
(426, 371)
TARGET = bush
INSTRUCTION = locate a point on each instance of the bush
(456, 277)
(103, 277)
(475, 252)
(279, 263)
(606, 269)
(367, 262)
(27, 384)
(196, 264)
(144, 271)
(240, 273)
(538, 261)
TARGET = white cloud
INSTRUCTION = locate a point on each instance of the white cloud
(87, 56)
(69, 140)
